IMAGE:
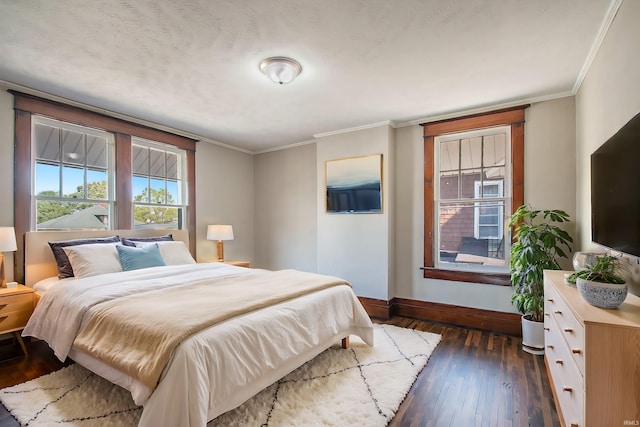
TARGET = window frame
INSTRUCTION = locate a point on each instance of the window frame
(26, 106)
(513, 117)
(181, 179)
(110, 168)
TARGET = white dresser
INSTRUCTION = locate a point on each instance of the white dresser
(592, 357)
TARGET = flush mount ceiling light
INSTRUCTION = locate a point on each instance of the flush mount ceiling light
(280, 70)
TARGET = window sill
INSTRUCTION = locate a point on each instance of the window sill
(500, 279)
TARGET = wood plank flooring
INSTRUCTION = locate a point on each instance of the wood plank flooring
(473, 378)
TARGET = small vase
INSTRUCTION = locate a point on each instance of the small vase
(603, 295)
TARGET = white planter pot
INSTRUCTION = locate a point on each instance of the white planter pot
(532, 336)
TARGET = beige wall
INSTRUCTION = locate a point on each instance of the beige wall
(285, 209)
(607, 99)
(224, 194)
(358, 247)
(382, 255)
(549, 146)
(6, 170)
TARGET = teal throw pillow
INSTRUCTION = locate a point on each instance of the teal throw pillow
(133, 258)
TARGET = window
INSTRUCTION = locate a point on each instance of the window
(73, 176)
(473, 180)
(71, 161)
(471, 173)
(158, 185)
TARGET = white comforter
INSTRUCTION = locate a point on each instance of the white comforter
(219, 368)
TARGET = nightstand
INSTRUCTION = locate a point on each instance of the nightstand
(16, 306)
(236, 263)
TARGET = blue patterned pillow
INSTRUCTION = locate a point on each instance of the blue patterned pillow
(133, 258)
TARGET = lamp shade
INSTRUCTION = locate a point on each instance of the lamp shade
(7, 239)
(220, 232)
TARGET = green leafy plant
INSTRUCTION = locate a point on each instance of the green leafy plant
(538, 242)
(603, 270)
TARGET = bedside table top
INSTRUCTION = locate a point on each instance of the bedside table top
(20, 289)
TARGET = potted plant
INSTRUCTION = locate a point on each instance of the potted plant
(600, 284)
(538, 242)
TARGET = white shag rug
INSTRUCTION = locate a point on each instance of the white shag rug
(361, 386)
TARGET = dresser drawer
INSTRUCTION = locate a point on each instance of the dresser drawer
(567, 379)
(569, 327)
(13, 303)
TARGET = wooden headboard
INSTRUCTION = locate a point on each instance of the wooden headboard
(39, 262)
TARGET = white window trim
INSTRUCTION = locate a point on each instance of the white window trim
(476, 213)
(110, 138)
(182, 178)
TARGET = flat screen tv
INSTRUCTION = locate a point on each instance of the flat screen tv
(615, 191)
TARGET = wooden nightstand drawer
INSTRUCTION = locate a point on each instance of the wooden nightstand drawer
(15, 320)
(16, 303)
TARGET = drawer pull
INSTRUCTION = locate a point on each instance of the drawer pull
(3, 317)
(558, 312)
(3, 306)
(550, 299)
(559, 361)
(576, 351)
(546, 314)
(567, 388)
(568, 330)
(546, 329)
(549, 346)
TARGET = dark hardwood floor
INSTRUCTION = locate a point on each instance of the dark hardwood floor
(473, 378)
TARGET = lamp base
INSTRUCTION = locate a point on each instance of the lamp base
(220, 251)
(3, 279)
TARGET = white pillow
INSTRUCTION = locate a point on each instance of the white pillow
(93, 259)
(173, 252)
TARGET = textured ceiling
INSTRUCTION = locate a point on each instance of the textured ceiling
(192, 65)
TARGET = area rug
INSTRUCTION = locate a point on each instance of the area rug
(361, 386)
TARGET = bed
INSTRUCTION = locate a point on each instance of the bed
(212, 370)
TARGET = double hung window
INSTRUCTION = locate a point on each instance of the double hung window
(472, 174)
(158, 184)
(73, 174)
(473, 180)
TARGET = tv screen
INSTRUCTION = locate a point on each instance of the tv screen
(615, 190)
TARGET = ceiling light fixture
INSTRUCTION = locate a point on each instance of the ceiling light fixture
(280, 70)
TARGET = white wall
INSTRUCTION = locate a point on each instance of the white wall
(607, 99)
(224, 195)
(285, 222)
(549, 147)
(358, 247)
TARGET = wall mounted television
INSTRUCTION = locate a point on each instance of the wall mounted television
(615, 190)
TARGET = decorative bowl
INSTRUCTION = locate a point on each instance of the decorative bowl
(603, 295)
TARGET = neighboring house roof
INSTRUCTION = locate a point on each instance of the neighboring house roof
(88, 218)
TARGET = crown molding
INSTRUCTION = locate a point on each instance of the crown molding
(45, 95)
(602, 33)
(356, 128)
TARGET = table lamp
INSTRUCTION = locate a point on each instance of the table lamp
(220, 233)
(7, 244)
